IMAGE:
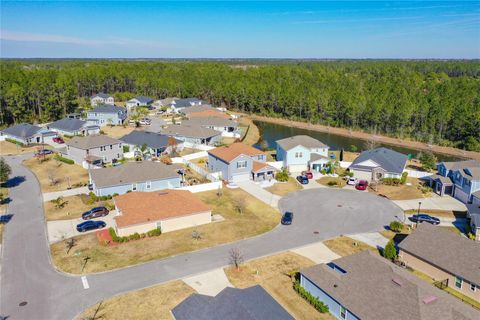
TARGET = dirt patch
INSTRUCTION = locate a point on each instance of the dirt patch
(118, 131)
(415, 190)
(9, 148)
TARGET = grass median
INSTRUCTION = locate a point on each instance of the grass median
(73, 207)
(284, 188)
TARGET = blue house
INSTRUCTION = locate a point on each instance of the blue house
(459, 179)
(302, 152)
(105, 114)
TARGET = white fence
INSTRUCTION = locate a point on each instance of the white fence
(203, 187)
(197, 146)
(345, 164)
(417, 174)
(195, 155)
(276, 164)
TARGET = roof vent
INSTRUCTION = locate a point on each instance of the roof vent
(336, 268)
(397, 281)
(429, 299)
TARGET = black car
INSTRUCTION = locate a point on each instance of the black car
(419, 218)
(95, 213)
(90, 225)
(43, 152)
(302, 179)
(287, 218)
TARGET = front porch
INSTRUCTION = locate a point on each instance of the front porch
(262, 171)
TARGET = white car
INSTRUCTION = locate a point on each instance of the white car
(352, 181)
(145, 122)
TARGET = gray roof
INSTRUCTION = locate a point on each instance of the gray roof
(476, 219)
(300, 140)
(186, 102)
(190, 131)
(22, 130)
(101, 95)
(374, 288)
(200, 108)
(252, 303)
(446, 250)
(210, 121)
(133, 172)
(143, 99)
(108, 108)
(476, 194)
(458, 165)
(440, 178)
(91, 141)
(316, 156)
(68, 124)
(389, 160)
(151, 139)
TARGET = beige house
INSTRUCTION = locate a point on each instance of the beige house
(168, 210)
(450, 259)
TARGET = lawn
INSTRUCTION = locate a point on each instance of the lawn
(9, 148)
(187, 151)
(64, 174)
(284, 188)
(441, 213)
(3, 204)
(255, 218)
(347, 155)
(339, 182)
(118, 131)
(149, 303)
(274, 275)
(253, 134)
(402, 192)
(74, 208)
(345, 246)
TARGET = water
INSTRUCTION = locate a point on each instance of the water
(272, 132)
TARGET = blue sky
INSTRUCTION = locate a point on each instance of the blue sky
(334, 29)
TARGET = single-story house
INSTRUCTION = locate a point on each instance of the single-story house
(302, 152)
(134, 176)
(73, 127)
(164, 103)
(192, 135)
(94, 150)
(101, 98)
(253, 303)
(180, 104)
(447, 257)
(239, 162)
(156, 142)
(191, 111)
(367, 286)
(140, 101)
(379, 163)
(167, 210)
(27, 134)
(227, 127)
(105, 114)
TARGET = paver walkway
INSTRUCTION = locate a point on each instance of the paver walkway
(64, 193)
(434, 203)
(259, 193)
(317, 252)
(373, 239)
(209, 283)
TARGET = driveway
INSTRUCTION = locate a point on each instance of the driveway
(59, 230)
(434, 203)
(258, 192)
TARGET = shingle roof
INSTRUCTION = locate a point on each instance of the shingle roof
(190, 131)
(22, 130)
(208, 113)
(471, 173)
(446, 250)
(440, 178)
(458, 165)
(476, 194)
(143, 207)
(316, 156)
(68, 124)
(133, 172)
(210, 121)
(228, 153)
(108, 108)
(257, 166)
(374, 288)
(200, 108)
(389, 160)
(92, 141)
(151, 139)
(252, 303)
(300, 140)
(101, 95)
(187, 102)
(143, 99)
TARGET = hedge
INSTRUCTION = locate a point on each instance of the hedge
(135, 236)
(65, 160)
(391, 181)
(15, 142)
(396, 226)
(314, 301)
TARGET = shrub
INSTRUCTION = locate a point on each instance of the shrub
(391, 181)
(390, 252)
(282, 175)
(114, 195)
(396, 226)
(314, 301)
(126, 148)
(332, 183)
(15, 142)
(135, 236)
(154, 232)
(110, 206)
(93, 196)
(403, 179)
(353, 148)
(63, 159)
(429, 160)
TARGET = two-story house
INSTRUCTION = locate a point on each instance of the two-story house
(140, 101)
(106, 114)
(302, 152)
(459, 179)
(73, 127)
(101, 98)
(94, 150)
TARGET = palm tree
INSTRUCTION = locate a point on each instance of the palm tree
(144, 151)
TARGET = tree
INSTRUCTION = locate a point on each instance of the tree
(370, 144)
(390, 252)
(429, 160)
(52, 177)
(5, 170)
(239, 204)
(396, 226)
(172, 144)
(353, 148)
(235, 258)
(59, 202)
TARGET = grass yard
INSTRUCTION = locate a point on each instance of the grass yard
(345, 246)
(339, 182)
(255, 218)
(347, 155)
(274, 275)
(402, 192)
(3, 204)
(64, 174)
(187, 151)
(73, 209)
(284, 188)
(253, 134)
(149, 303)
(9, 148)
(441, 213)
(118, 131)
(228, 141)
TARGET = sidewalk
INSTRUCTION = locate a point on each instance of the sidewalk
(64, 193)
(434, 203)
(259, 193)
(373, 239)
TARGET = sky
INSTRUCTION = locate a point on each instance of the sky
(157, 29)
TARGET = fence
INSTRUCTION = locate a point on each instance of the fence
(417, 174)
(197, 146)
(203, 187)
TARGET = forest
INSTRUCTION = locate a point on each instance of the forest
(436, 102)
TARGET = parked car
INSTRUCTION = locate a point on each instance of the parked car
(90, 225)
(90, 186)
(95, 213)
(307, 174)
(287, 218)
(58, 140)
(362, 185)
(132, 122)
(419, 218)
(145, 121)
(43, 152)
(302, 179)
(352, 181)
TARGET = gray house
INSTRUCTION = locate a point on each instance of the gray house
(73, 127)
(106, 114)
(101, 98)
(134, 176)
(180, 104)
(192, 135)
(140, 101)
(28, 134)
(378, 163)
(226, 127)
(94, 150)
(156, 142)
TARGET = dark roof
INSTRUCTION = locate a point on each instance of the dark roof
(190, 131)
(440, 178)
(389, 160)
(67, 124)
(300, 140)
(101, 95)
(458, 165)
(22, 130)
(252, 303)
(151, 139)
(91, 141)
(108, 108)
(143, 99)
(372, 287)
(446, 250)
(186, 102)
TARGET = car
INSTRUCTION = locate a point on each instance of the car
(95, 213)
(43, 152)
(90, 186)
(58, 140)
(307, 174)
(419, 218)
(352, 181)
(362, 185)
(90, 225)
(132, 122)
(302, 179)
(287, 218)
(145, 122)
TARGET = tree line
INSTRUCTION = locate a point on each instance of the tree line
(432, 101)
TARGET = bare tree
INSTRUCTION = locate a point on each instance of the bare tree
(239, 204)
(196, 235)
(70, 243)
(52, 177)
(236, 258)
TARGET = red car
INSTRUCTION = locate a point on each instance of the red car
(307, 174)
(58, 140)
(362, 185)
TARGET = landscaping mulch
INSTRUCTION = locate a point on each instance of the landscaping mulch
(105, 238)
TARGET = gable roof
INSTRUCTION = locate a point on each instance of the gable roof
(300, 140)
(22, 130)
(199, 108)
(91, 141)
(389, 160)
(133, 172)
(458, 165)
(374, 288)
(142, 99)
(258, 166)
(68, 124)
(190, 131)
(101, 95)
(210, 121)
(446, 250)
(208, 113)
(252, 303)
(186, 102)
(228, 153)
(151, 139)
(108, 108)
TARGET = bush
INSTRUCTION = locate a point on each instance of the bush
(396, 226)
(353, 148)
(63, 159)
(135, 236)
(390, 252)
(429, 160)
(15, 142)
(332, 183)
(403, 179)
(282, 175)
(110, 206)
(391, 181)
(126, 148)
(314, 301)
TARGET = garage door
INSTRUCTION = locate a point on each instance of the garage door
(460, 195)
(297, 168)
(241, 177)
(362, 175)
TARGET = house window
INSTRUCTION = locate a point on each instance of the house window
(458, 282)
(111, 147)
(241, 164)
(148, 184)
(473, 287)
(134, 187)
(343, 312)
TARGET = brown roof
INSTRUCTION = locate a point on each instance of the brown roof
(209, 113)
(446, 250)
(228, 153)
(143, 207)
(91, 141)
(257, 166)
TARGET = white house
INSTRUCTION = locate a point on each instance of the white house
(140, 101)
(101, 98)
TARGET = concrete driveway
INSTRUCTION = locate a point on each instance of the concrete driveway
(435, 203)
(59, 230)
(258, 192)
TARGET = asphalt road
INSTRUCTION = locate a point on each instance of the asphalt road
(28, 275)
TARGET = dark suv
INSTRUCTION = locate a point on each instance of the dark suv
(287, 218)
(95, 213)
(419, 218)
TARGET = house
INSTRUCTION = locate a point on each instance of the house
(167, 210)
(157, 143)
(180, 104)
(378, 163)
(302, 152)
(140, 101)
(27, 134)
(101, 98)
(164, 103)
(447, 257)
(473, 215)
(227, 127)
(201, 108)
(192, 135)
(105, 114)
(366, 286)
(134, 176)
(239, 162)
(94, 150)
(253, 303)
(212, 112)
(73, 127)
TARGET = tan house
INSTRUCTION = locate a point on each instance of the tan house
(168, 210)
(452, 260)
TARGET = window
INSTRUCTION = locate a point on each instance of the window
(134, 187)
(111, 147)
(343, 312)
(148, 184)
(458, 282)
(241, 164)
(473, 287)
